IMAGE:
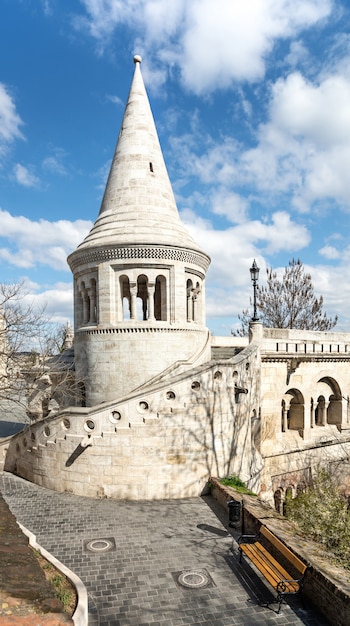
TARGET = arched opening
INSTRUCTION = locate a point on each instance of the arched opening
(295, 412)
(160, 299)
(79, 308)
(125, 297)
(84, 292)
(334, 411)
(320, 412)
(93, 301)
(333, 401)
(142, 297)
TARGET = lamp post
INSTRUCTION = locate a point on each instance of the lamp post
(254, 275)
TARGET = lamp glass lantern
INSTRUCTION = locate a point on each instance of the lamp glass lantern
(254, 275)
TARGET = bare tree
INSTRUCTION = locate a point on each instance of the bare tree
(289, 302)
(20, 327)
(30, 373)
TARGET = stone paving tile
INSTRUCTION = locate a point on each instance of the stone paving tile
(139, 550)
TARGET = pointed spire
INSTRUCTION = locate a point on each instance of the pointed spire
(138, 205)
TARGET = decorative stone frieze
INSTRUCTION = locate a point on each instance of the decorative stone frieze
(156, 253)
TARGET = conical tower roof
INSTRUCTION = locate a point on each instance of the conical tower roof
(138, 206)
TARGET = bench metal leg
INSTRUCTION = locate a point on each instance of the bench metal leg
(279, 600)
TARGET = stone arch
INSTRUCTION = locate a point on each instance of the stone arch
(320, 411)
(333, 400)
(125, 295)
(160, 298)
(294, 407)
(142, 297)
(194, 300)
(86, 305)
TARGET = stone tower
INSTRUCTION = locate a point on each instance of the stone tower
(139, 296)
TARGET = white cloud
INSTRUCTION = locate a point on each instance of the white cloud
(213, 43)
(24, 176)
(228, 41)
(29, 243)
(10, 121)
(231, 205)
(234, 248)
(304, 148)
(56, 301)
(301, 153)
(329, 252)
(298, 53)
(115, 100)
(54, 163)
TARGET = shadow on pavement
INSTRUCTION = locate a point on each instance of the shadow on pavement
(7, 429)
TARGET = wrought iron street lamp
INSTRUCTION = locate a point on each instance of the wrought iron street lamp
(254, 275)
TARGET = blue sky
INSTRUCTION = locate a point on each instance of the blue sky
(252, 105)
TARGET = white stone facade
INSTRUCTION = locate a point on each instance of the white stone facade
(162, 404)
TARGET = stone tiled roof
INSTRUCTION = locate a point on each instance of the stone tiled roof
(138, 206)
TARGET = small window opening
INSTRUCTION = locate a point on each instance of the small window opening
(151, 167)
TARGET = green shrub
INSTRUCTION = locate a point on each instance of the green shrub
(322, 514)
(236, 483)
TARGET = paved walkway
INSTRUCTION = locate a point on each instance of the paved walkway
(143, 563)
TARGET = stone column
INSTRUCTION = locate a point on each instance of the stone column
(133, 296)
(92, 306)
(86, 307)
(313, 415)
(307, 413)
(324, 414)
(196, 293)
(189, 305)
(150, 296)
(285, 410)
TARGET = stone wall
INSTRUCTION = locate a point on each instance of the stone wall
(161, 442)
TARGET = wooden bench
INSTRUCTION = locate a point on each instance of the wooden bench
(273, 572)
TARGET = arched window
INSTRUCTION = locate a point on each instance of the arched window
(125, 297)
(295, 411)
(142, 297)
(320, 412)
(332, 409)
(93, 302)
(79, 304)
(86, 302)
(160, 299)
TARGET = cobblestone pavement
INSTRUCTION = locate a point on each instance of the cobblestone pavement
(160, 563)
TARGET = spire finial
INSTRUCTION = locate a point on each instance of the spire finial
(137, 58)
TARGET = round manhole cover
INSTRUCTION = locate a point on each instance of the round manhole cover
(193, 580)
(100, 545)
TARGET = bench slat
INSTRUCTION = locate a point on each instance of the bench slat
(290, 556)
(269, 567)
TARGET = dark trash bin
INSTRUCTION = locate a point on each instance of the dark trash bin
(234, 513)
